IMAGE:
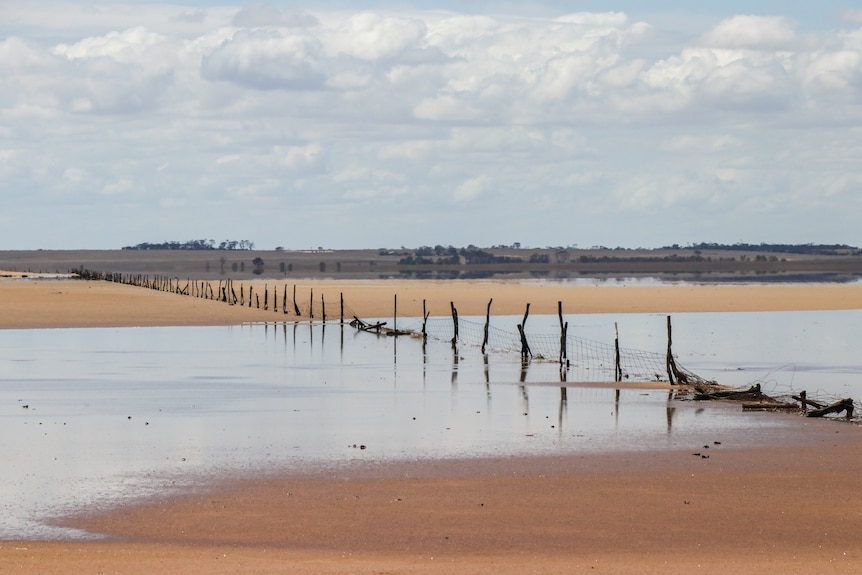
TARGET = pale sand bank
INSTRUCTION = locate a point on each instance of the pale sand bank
(75, 303)
(777, 510)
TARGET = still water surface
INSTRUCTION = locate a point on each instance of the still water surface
(95, 417)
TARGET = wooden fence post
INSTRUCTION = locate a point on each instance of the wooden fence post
(525, 347)
(487, 325)
(564, 334)
(670, 362)
(455, 323)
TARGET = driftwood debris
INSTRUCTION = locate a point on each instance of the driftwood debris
(378, 328)
(837, 407)
(755, 400)
(770, 406)
(805, 402)
(365, 326)
(753, 393)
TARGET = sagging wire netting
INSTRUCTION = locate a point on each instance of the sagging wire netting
(588, 360)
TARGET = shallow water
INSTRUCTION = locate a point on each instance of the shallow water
(91, 418)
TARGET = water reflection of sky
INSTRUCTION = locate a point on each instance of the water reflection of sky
(90, 417)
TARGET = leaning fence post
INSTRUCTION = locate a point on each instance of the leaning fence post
(618, 371)
(670, 362)
(525, 347)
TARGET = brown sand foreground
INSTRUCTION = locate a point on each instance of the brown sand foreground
(785, 509)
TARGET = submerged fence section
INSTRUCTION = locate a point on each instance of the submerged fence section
(586, 360)
(581, 359)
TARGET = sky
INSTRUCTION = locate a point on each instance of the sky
(348, 125)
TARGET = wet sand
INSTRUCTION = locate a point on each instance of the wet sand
(781, 509)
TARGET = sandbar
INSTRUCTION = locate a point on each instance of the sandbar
(55, 303)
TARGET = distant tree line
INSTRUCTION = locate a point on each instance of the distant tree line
(585, 259)
(809, 249)
(439, 255)
(195, 245)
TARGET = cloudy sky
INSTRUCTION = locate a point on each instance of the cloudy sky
(386, 124)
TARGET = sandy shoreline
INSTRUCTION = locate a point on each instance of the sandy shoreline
(76, 303)
(776, 510)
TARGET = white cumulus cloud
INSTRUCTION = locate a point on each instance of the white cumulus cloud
(343, 111)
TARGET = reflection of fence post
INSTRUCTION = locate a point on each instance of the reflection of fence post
(455, 323)
(487, 324)
(564, 396)
(618, 371)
